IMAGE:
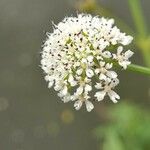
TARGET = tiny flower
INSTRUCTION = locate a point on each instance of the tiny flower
(105, 71)
(107, 89)
(123, 58)
(76, 59)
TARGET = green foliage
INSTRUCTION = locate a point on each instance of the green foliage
(129, 129)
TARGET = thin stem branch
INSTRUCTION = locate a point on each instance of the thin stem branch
(139, 69)
(140, 24)
(132, 67)
(138, 17)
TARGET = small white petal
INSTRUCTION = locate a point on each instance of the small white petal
(66, 98)
(102, 63)
(60, 94)
(113, 96)
(112, 74)
(65, 90)
(78, 104)
(57, 87)
(70, 79)
(114, 41)
(99, 58)
(79, 90)
(47, 78)
(128, 54)
(119, 50)
(98, 86)
(89, 105)
(124, 64)
(127, 40)
(79, 71)
(90, 58)
(73, 83)
(73, 97)
(106, 54)
(111, 22)
(50, 84)
(100, 95)
(88, 88)
(76, 64)
(97, 70)
(115, 56)
(108, 65)
(84, 60)
(102, 76)
(89, 73)
(114, 82)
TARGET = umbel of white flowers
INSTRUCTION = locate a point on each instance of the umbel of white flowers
(75, 59)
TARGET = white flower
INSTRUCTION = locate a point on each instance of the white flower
(104, 70)
(106, 88)
(123, 58)
(78, 53)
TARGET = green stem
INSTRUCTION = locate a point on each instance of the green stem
(139, 21)
(132, 67)
(139, 69)
(138, 17)
(144, 45)
(146, 55)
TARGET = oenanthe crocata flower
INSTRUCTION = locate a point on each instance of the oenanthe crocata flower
(75, 59)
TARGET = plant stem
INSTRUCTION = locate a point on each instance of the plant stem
(139, 69)
(142, 40)
(138, 18)
(132, 67)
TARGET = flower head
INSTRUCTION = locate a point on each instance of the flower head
(75, 59)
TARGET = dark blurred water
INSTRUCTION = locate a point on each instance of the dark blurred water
(31, 116)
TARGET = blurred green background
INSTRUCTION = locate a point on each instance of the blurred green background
(32, 117)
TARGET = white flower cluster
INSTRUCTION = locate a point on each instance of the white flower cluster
(76, 58)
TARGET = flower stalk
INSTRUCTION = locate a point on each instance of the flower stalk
(138, 17)
(139, 69)
(133, 68)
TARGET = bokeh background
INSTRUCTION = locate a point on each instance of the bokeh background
(32, 117)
